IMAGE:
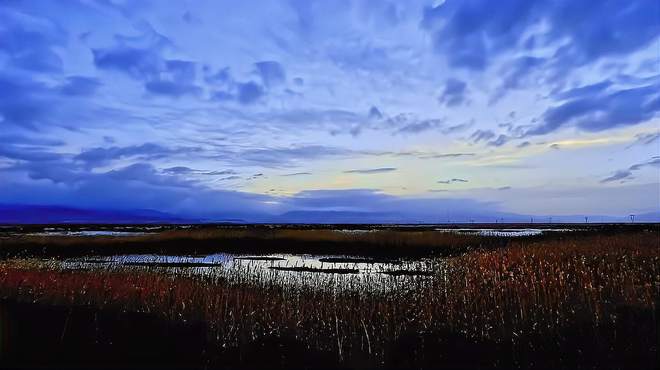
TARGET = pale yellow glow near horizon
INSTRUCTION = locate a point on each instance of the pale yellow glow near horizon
(415, 176)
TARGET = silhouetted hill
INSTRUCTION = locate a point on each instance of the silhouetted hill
(37, 214)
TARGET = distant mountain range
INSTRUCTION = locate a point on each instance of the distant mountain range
(42, 214)
(35, 214)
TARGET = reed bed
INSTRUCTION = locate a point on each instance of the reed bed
(535, 303)
(385, 242)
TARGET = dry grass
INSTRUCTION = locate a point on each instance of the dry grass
(532, 291)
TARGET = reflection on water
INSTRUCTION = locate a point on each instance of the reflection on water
(502, 232)
(281, 267)
(87, 233)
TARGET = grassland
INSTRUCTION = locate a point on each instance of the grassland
(574, 300)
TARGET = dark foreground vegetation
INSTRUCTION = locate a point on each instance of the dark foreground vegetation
(573, 300)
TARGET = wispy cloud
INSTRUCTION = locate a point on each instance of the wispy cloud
(627, 174)
(368, 171)
(451, 181)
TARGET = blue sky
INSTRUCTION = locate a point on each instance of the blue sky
(422, 108)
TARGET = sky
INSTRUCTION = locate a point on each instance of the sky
(425, 109)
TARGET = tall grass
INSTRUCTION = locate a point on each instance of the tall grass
(573, 293)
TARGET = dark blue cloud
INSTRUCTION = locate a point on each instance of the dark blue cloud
(139, 63)
(30, 44)
(80, 86)
(375, 113)
(618, 175)
(453, 93)
(183, 170)
(596, 108)
(284, 156)
(98, 157)
(451, 181)
(646, 139)
(499, 141)
(297, 174)
(171, 88)
(421, 126)
(24, 103)
(482, 135)
(166, 77)
(370, 171)
(627, 174)
(221, 77)
(472, 33)
(271, 73)
(249, 92)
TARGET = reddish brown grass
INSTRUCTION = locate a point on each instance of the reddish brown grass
(528, 288)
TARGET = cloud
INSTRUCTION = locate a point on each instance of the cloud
(171, 88)
(447, 155)
(284, 156)
(627, 174)
(79, 86)
(375, 113)
(501, 140)
(141, 64)
(482, 135)
(297, 174)
(597, 108)
(457, 128)
(421, 126)
(369, 171)
(453, 93)
(451, 181)
(645, 139)
(229, 178)
(30, 42)
(271, 73)
(164, 77)
(183, 170)
(618, 175)
(24, 103)
(473, 33)
(249, 92)
(98, 157)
